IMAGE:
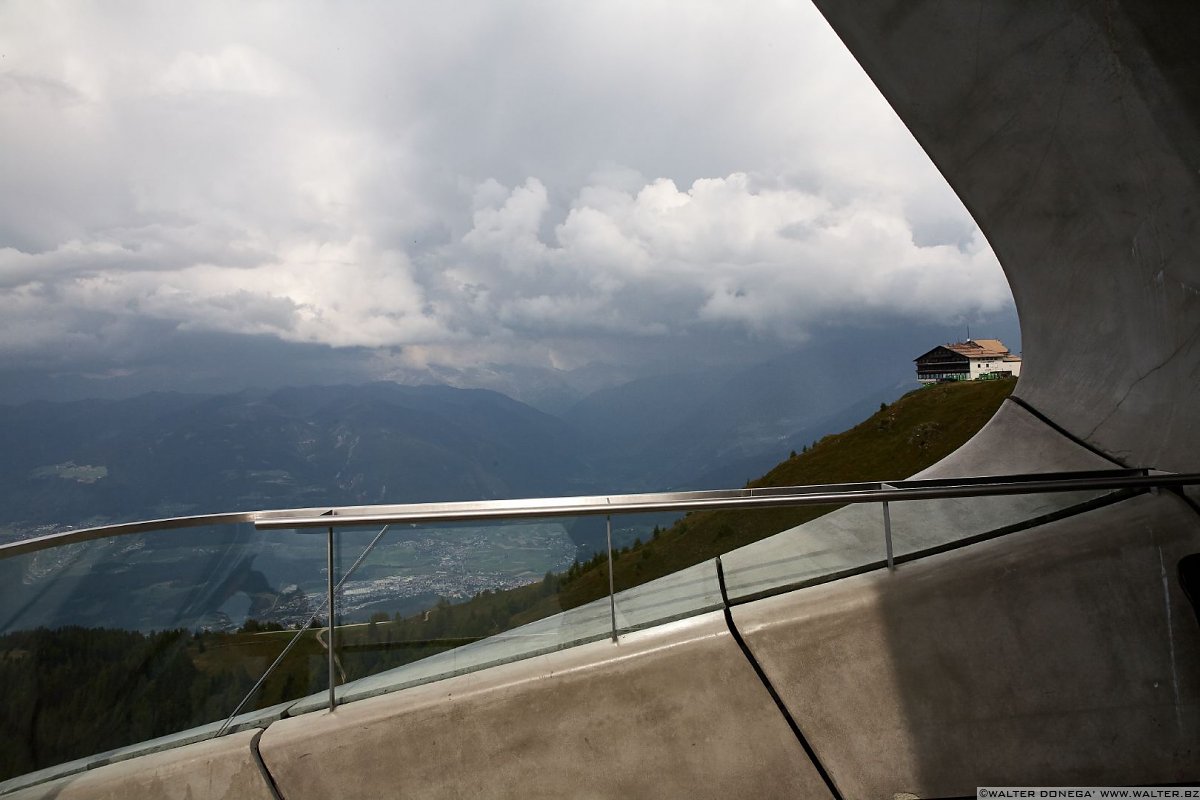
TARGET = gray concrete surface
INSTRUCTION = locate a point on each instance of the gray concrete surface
(249, 721)
(1062, 655)
(674, 711)
(222, 768)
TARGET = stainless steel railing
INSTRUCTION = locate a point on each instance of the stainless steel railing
(773, 497)
(334, 518)
(606, 505)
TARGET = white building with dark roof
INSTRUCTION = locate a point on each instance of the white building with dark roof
(971, 360)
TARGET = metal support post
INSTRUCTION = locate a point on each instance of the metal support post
(612, 600)
(887, 534)
(332, 615)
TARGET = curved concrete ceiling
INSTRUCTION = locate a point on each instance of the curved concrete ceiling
(1071, 131)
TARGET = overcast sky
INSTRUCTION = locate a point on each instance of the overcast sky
(457, 184)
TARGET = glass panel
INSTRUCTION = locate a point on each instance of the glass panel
(853, 538)
(435, 600)
(847, 539)
(921, 524)
(656, 584)
(681, 594)
(109, 645)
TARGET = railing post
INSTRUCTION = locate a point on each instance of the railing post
(612, 599)
(332, 614)
(887, 529)
(304, 629)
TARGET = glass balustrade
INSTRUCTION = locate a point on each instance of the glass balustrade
(856, 537)
(430, 601)
(121, 641)
(179, 631)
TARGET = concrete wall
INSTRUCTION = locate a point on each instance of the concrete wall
(1071, 131)
(980, 366)
(1066, 654)
(214, 769)
(674, 711)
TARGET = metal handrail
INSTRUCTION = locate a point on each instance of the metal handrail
(332, 519)
(36, 543)
(603, 505)
(704, 501)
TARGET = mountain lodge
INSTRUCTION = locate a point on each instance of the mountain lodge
(974, 359)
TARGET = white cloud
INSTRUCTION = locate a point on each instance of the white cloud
(471, 183)
(662, 259)
(235, 68)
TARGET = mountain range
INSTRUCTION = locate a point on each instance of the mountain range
(170, 454)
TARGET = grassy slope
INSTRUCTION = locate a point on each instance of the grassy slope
(911, 434)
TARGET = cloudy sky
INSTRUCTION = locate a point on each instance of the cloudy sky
(453, 186)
